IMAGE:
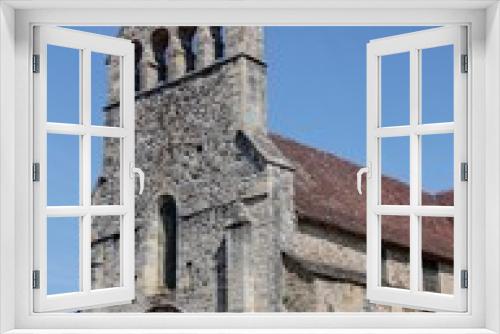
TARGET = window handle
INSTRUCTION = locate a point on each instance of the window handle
(133, 171)
(359, 174)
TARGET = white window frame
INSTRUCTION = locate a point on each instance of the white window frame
(18, 16)
(413, 44)
(85, 43)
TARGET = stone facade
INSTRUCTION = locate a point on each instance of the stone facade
(217, 228)
(324, 267)
(326, 272)
(201, 139)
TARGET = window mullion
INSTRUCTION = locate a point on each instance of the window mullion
(415, 257)
(86, 184)
(78, 129)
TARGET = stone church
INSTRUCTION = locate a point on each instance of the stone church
(234, 218)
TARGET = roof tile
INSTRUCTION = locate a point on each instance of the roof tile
(325, 192)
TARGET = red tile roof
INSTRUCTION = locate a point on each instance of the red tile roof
(325, 193)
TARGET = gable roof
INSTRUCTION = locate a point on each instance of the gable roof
(325, 193)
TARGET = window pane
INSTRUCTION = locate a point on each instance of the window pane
(63, 170)
(63, 84)
(169, 220)
(106, 155)
(105, 89)
(395, 170)
(437, 254)
(106, 252)
(437, 84)
(395, 89)
(395, 251)
(437, 169)
(63, 255)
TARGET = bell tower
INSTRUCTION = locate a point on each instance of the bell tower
(218, 193)
(166, 54)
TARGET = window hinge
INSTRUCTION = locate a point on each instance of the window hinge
(36, 172)
(465, 63)
(36, 279)
(464, 171)
(464, 279)
(36, 63)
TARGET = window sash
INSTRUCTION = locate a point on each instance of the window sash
(412, 43)
(86, 43)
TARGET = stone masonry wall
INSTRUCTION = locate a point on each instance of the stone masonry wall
(325, 271)
(192, 144)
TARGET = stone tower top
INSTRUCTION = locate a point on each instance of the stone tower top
(164, 54)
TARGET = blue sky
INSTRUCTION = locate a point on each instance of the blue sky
(316, 95)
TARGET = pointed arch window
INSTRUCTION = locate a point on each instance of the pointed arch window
(218, 37)
(222, 277)
(160, 41)
(168, 212)
(187, 37)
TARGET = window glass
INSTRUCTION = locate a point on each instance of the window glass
(105, 90)
(106, 254)
(437, 84)
(395, 89)
(63, 91)
(106, 170)
(395, 169)
(437, 254)
(63, 254)
(63, 169)
(437, 170)
(395, 252)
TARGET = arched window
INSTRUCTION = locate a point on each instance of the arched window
(222, 277)
(160, 41)
(218, 37)
(187, 37)
(138, 56)
(168, 213)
